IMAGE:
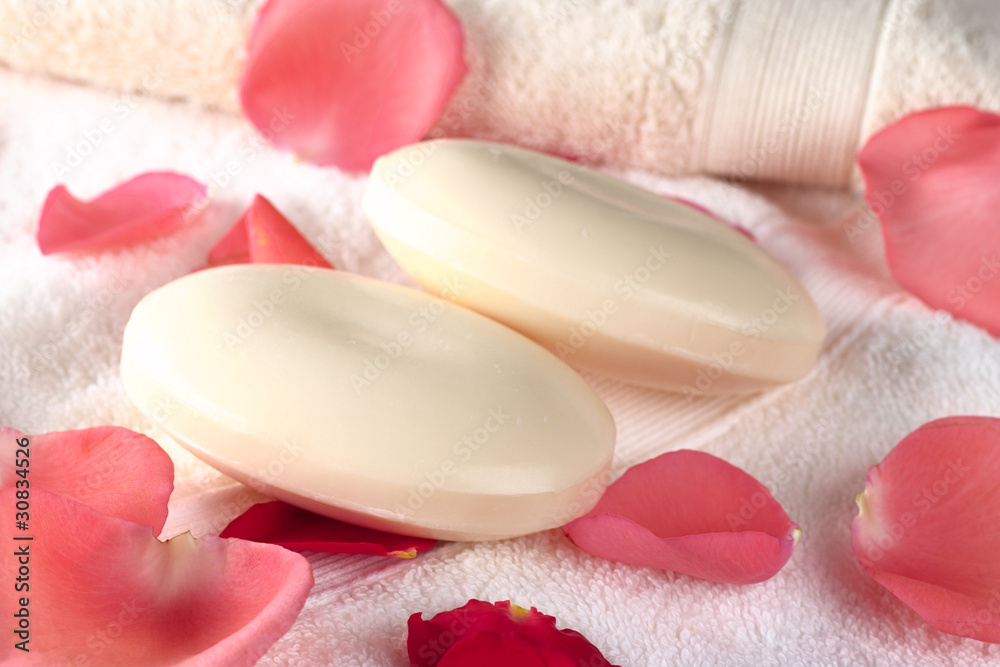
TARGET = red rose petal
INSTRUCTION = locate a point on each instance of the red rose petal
(927, 527)
(932, 180)
(263, 235)
(109, 468)
(488, 649)
(140, 209)
(105, 591)
(428, 642)
(279, 523)
(341, 82)
(693, 513)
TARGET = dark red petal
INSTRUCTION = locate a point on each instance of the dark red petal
(279, 523)
(927, 526)
(112, 469)
(263, 235)
(932, 180)
(105, 591)
(428, 641)
(140, 209)
(341, 82)
(488, 649)
(689, 512)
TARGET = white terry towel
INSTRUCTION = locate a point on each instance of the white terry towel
(781, 90)
(889, 365)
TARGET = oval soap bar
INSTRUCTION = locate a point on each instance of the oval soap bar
(609, 276)
(368, 402)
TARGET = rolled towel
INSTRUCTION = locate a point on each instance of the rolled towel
(778, 90)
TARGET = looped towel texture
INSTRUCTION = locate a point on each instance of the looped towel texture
(774, 90)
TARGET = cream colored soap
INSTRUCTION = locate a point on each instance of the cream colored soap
(368, 402)
(608, 276)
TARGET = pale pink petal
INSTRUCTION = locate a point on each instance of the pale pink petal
(104, 591)
(341, 82)
(932, 178)
(927, 526)
(279, 523)
(112, 469)
(140, 209)
(693, 513)
(263, 235)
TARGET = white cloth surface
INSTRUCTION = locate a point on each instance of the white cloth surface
(889, 365)
(782, 90)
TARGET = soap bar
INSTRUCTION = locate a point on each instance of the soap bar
(368, 402)
(609, 276)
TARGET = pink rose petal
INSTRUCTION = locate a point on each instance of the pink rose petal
(263, 235)
(279, 523)
(140, 209)
(341, 82)
(480, 633)
(693, 513)
(104, 591)
(234, 247)
(932, 180)
(109, 468)
(927, 529)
